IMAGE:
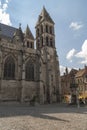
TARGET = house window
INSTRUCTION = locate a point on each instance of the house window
(86, 78)
(9, 68)
(29, 71)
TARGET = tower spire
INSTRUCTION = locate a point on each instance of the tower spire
(28, 33)
(45, 30)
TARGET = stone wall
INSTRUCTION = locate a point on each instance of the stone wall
(10, 90)
(29, 91)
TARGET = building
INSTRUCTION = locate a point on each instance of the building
(66, 80)
(28, 73)
(81, 80)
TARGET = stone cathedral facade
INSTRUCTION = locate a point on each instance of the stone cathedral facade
(28, 73)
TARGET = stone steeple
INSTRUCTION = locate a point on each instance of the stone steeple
(45, 30)
(28, 33)
(49, 64)
(29, 38)
(44, 16)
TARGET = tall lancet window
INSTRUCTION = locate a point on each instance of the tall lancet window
(9, 68)
(29, 71)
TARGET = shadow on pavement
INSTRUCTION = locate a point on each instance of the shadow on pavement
(40, 111)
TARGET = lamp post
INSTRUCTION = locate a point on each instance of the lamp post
(77, 96)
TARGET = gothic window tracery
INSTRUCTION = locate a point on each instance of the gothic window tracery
(9, 68)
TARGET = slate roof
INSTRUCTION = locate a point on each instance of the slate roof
(6, 30)
(80, 73)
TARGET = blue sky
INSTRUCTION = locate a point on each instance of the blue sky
(70, 19)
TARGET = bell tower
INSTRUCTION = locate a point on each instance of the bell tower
(45, 30)
(49, 64)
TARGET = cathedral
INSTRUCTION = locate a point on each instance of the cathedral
(29, 67)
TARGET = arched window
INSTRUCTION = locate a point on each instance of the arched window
(28, 44)
(42, 40)
(41, 28)
(31, 45)
(47, 28)
(9, 68)
(51, 42)
(51, 30)
(29, 72)
(47, 41)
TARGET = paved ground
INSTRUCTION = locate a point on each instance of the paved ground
(44, 117)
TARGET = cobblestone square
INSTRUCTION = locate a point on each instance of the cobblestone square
(43, 117)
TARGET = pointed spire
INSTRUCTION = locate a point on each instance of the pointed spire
(66, 70)
(28, 33)
(45, 16)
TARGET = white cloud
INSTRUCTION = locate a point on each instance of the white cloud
(62, 69)
(83, 53)
(75, 25)
(70, 54)
(4, 16)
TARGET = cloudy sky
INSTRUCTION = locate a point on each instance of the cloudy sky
(70, 17)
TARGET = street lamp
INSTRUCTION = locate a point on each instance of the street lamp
(77, 96)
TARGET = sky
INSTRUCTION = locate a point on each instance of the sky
(70, 17)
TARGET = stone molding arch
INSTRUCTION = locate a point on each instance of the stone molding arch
(9, 67)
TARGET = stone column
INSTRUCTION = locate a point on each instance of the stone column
(23, 78)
